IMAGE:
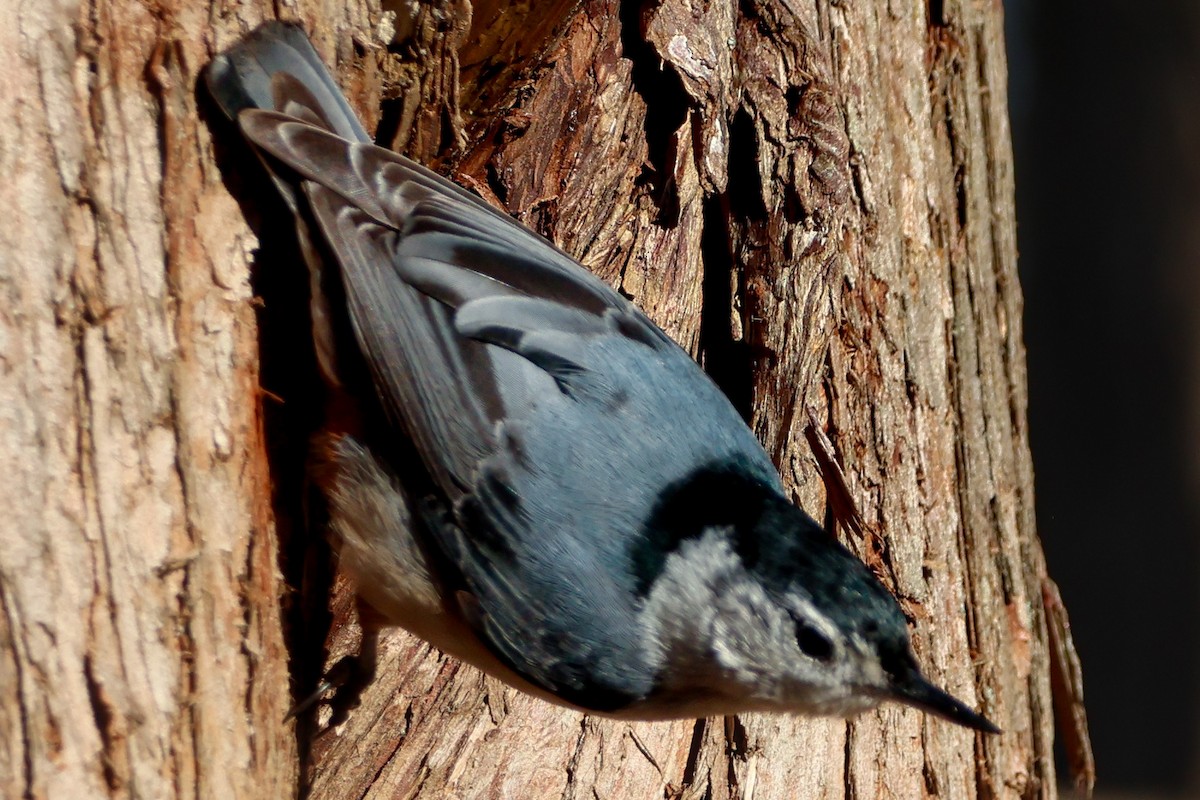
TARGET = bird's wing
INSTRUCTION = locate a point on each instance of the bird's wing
(413, 250)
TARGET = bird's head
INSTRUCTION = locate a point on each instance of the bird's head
(762, 610)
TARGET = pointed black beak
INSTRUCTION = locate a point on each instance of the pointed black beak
(912, 688)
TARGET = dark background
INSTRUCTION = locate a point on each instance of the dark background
(1105, 101)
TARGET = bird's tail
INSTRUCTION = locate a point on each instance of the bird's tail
(276, 68)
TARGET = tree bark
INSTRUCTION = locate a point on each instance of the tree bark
(814, 197)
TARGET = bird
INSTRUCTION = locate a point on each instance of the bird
(554, 490)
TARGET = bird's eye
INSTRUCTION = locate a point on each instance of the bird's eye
(812, 642)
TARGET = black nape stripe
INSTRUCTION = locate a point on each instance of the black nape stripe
(720, 495)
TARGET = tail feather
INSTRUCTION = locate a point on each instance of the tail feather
(276, 68)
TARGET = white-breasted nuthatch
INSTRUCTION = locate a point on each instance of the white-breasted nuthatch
(590, 520)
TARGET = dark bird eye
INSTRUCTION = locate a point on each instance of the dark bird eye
(812, 642)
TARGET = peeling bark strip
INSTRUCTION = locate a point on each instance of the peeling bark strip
(814, 196)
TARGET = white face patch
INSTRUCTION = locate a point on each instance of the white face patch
(714, 628)
(679, 611)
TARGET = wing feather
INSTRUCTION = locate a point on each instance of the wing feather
(434, 381)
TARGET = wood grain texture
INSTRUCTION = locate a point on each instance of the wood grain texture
(815, 197)
(95, 502)
(139, 583)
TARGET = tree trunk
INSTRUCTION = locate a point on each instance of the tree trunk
(815, 197)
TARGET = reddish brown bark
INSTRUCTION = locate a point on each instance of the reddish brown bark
(815, 197)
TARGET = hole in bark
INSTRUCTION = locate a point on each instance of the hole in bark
(391, 112)
(666, 107)
(745, 184)
(937, 15)
(693, 759)
(726, 359)
(496, 183)
(793, 96)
